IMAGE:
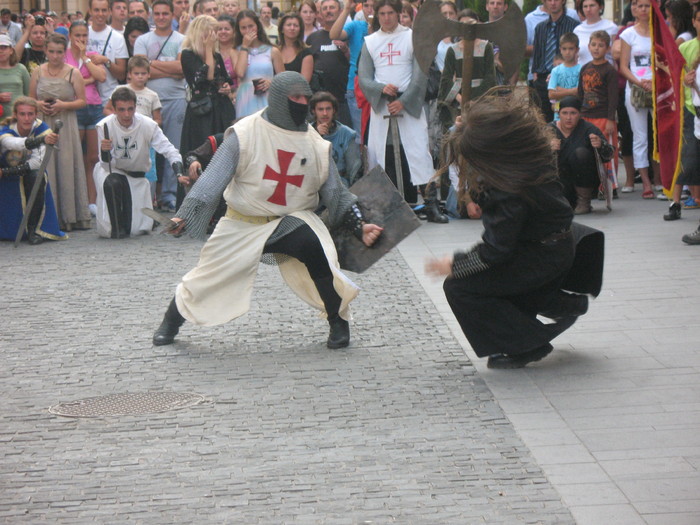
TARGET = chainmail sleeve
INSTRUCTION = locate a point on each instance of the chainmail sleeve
(202, 200)
(335, 196)
(468, 263)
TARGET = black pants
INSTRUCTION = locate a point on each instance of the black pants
(410, 192)
(540, 86)
(118, 196)
(303, 245)
(497, 309)
(577, 169)
(38, 206)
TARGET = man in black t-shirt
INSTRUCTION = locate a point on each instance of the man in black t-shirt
(331, 63)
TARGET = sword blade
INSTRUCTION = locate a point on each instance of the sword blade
(41, 174)
(396, 140)
(166, 223)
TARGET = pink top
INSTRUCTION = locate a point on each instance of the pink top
(92, 96)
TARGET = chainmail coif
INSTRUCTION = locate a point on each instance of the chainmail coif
(284, 85)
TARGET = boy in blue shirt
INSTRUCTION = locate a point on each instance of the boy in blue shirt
(563, 80)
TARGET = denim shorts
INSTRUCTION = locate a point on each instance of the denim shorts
(89, 116)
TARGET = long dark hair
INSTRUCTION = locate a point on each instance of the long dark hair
(394, 4)
(135, 23)
(502, 143)
(299, 42)
(238, 37)
(682, 16)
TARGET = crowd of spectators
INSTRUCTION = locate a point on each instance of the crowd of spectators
(211, 63)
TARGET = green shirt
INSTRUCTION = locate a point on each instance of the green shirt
(690, 50)
(14, 80)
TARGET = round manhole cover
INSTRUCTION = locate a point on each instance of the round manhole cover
(127, 404)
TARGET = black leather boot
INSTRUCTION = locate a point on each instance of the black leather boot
(674, 212)
(339, 336)
(432, 210)
(168, 329)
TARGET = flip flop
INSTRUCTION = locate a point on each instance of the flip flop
(648, 194)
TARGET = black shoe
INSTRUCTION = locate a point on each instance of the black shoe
(674, 212)
(168, 329)
(508, 361)
(339, 336)
(432, 209)
(34, 238)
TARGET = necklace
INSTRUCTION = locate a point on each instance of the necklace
(48, 70)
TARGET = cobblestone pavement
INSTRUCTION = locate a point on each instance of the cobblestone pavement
(399, 428)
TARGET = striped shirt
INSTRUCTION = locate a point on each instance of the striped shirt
(565, 24)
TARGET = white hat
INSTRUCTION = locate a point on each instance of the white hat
(5, 41)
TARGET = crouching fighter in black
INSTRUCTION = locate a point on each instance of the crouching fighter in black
(273, 170)
(520, 269)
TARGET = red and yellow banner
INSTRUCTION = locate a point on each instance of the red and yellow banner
(667, 63)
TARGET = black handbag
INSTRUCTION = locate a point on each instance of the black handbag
(200, 106)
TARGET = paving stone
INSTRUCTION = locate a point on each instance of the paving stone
(397, 428)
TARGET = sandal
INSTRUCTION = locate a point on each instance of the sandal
(648, 194)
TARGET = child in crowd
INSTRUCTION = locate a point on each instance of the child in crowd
(563, 80)
(597, 89)
(138, 72)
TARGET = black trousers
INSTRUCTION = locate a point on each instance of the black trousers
(410, 192)
(577, 169)
(497, 309)
(118, 196)
(303, 245)
(38, 206)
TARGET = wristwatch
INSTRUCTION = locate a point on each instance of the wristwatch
(108, 64)
(88, 60)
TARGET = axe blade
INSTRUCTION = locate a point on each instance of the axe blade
(508, 33)
(429, 28)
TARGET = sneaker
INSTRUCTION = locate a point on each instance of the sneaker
(167, 207)
(661, 196)
(93, 209)
(685, 194)
(674, 212)
(659, 187)
(627, 189)
(692, 238)
(690, 204)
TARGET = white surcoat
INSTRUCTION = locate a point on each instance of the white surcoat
(392, 54)
(279, 173)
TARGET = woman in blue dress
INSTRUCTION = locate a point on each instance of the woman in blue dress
(258, 61)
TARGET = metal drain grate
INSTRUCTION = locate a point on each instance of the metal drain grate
(127, 404)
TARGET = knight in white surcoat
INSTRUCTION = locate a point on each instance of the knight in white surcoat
(394, 85)
(273, 170)
(122, 188)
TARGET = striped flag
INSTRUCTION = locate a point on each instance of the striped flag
(667, 63)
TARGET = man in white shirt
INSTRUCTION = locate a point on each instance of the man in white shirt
(109, 48)
(271, 30)
(119, 15)
(122, 188)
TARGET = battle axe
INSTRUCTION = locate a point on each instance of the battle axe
(508, 33)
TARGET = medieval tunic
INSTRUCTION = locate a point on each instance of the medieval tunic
(276, 179)
(14, 190)
(130, 155)
(387, 58)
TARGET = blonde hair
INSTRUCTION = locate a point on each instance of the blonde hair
(197, 33)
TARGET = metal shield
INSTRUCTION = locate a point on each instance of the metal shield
(381, 204)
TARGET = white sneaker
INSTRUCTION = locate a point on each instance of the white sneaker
(93, 209)
(661, 196)
(659, 188)
(627, 189)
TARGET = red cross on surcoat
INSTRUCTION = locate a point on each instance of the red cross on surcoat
(391, 53)
(279, 196)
